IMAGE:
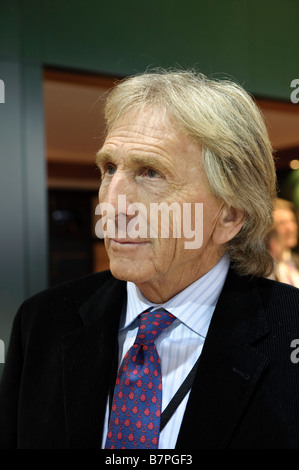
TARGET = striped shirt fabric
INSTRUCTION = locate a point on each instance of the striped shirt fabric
(180, 345)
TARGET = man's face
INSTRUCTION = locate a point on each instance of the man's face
(144, 159)
(286, 225)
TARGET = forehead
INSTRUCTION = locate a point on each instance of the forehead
(147, 122)
(151, 129)
(149, 115)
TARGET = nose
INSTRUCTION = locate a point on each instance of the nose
(119, 192)
(117, 186)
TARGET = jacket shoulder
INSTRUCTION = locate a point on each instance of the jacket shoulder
(60, 304)
(281, 302)
(278, 289)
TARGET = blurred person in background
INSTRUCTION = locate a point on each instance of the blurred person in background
(285, 224)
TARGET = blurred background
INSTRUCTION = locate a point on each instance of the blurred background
(59, 58)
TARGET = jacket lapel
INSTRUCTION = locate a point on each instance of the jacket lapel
(229, 367)
(90, 364)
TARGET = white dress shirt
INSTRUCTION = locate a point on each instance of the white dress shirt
(180, 345)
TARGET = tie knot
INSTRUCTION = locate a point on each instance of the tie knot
(151, 325)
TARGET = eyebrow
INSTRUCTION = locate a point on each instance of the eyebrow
(148, 161)
(103, 157)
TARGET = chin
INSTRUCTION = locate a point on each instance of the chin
(127, 270)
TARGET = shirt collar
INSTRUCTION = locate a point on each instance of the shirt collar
(194, 306)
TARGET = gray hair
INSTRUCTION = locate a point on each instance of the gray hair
(237, 155)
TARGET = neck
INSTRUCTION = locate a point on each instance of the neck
(164, 289)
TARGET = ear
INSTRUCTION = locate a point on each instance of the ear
(229, 223)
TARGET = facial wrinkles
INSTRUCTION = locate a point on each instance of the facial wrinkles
(123, 166)
(203, 256)
(130, 145)
(129, 158)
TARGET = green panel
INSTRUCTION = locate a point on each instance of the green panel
(33, 25)
(255, 42)
(274, 47)
(10, 29)
(130, 36)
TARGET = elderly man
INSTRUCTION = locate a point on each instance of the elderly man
(176, 346)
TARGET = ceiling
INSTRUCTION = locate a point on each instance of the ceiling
(74, 122)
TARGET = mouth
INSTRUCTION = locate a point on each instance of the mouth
(127, 242)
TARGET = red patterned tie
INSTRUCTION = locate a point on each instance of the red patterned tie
(136, 407)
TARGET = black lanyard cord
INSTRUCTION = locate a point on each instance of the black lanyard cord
(178, 397)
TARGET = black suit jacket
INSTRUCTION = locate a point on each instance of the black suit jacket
(62, 359)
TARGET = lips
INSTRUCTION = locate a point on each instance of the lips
(128, 241)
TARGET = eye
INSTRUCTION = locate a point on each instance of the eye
(109, 169)
(150, 173)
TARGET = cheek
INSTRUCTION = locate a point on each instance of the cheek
(167, 252)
